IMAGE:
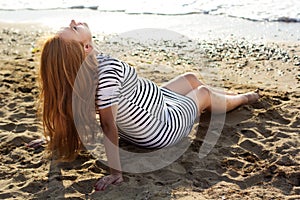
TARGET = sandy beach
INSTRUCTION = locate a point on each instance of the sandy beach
(256, 157)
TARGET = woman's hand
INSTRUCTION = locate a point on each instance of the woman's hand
(108, 180)
(36, 143)
(111, 143)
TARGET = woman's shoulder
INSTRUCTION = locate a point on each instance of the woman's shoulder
(107, 63)
(104, 59)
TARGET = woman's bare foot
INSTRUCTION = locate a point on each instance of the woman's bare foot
(252, 97)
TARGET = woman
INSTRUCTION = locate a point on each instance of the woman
(134, 108)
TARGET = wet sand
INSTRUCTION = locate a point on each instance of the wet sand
(256, 157)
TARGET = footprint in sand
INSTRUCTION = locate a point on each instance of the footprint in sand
(12, 106)
(296, 122)
(274, 115)
(249, 133)
(8, 127)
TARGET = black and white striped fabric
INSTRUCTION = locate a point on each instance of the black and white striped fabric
(148, 115)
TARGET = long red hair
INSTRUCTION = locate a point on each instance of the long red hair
(61, 60)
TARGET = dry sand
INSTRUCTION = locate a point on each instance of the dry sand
(256, 157)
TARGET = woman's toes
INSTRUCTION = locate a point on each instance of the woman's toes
(252, 96)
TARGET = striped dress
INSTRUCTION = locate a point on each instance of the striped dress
(148, 115)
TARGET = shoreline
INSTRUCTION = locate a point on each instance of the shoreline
(256, 156)
(195, 26)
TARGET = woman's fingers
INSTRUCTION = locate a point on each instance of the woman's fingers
(103, 183)
(36, 143)
(100, 185)
(108, 180)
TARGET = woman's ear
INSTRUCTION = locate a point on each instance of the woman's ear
(88, 48)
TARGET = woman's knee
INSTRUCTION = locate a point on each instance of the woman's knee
(190, 76)
(201, 96)
(192, 79)
(203, 90)
(201, 93)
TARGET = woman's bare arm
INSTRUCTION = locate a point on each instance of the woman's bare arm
(111, 144)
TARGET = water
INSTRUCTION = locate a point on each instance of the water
(254, 19)
(257, 10)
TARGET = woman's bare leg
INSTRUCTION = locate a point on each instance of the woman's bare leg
(206, 99)
(187, 82)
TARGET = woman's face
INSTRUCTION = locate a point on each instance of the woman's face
(78, 31)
